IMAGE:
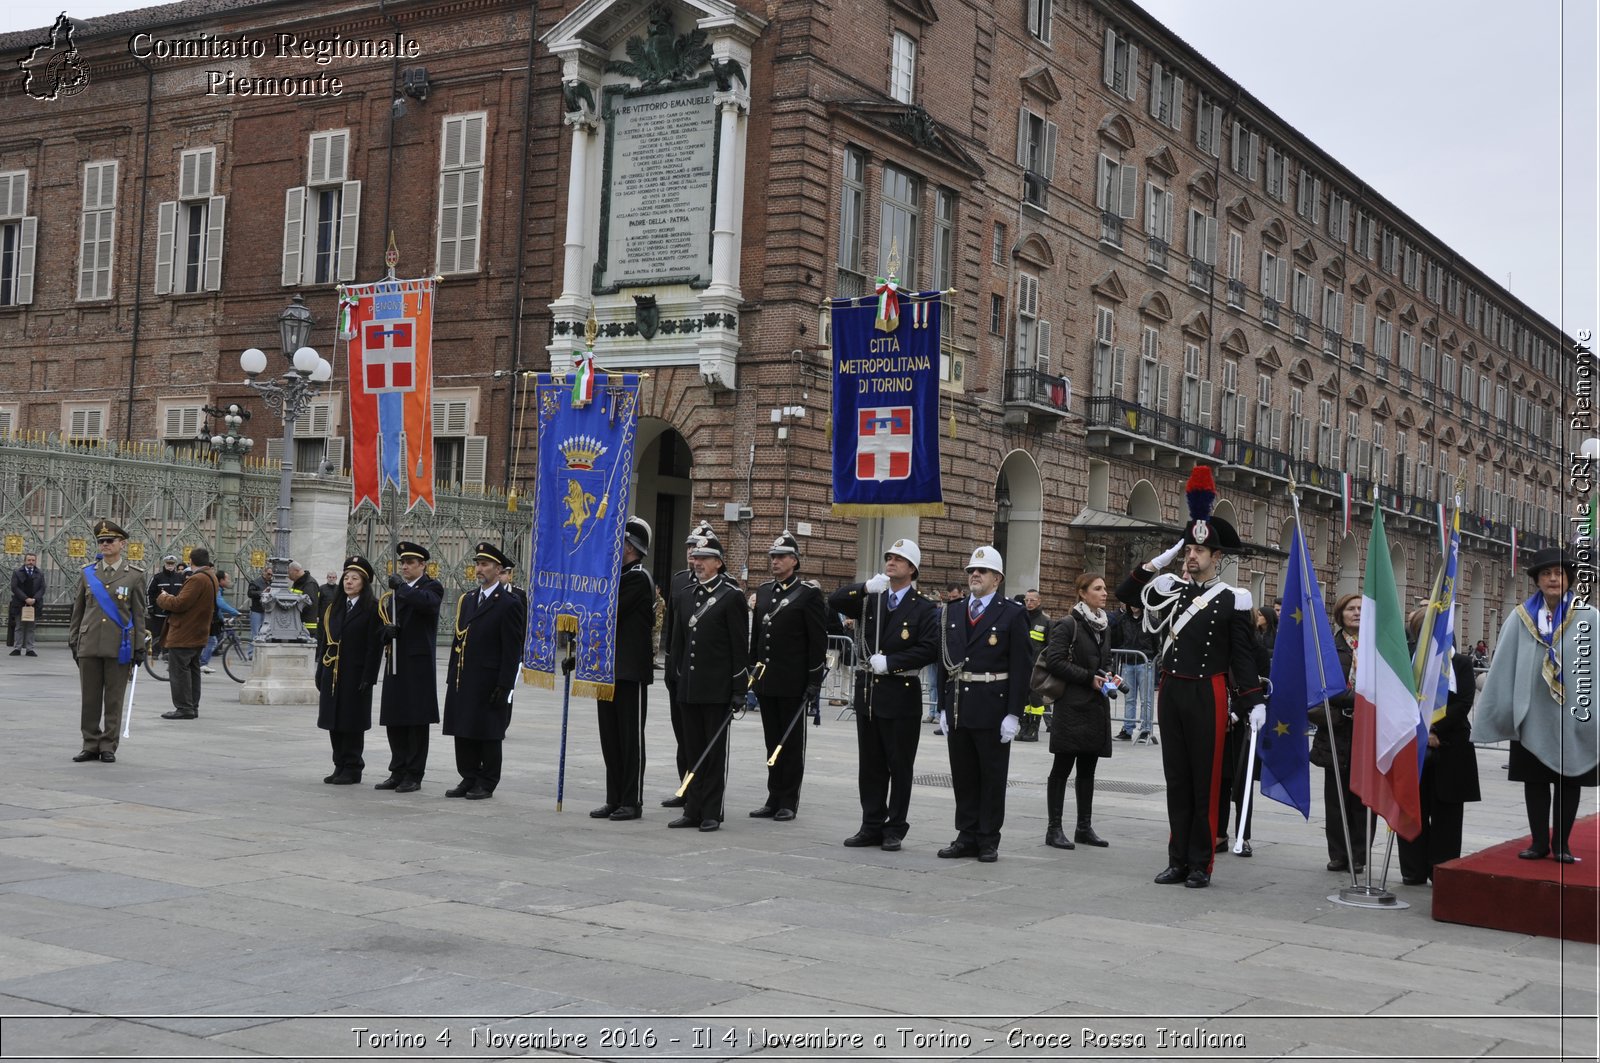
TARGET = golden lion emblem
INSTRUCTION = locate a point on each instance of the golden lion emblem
(578, 502)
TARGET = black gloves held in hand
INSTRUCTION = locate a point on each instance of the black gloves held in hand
(568, 664)
(395, 581)
(498, 696)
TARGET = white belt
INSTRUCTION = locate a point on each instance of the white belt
(981, 677)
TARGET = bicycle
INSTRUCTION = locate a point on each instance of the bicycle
(155, 666)
(238, 655)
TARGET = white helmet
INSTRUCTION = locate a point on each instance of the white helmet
(986, 557)
(907, 549)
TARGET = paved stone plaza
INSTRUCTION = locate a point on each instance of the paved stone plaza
(208, 897)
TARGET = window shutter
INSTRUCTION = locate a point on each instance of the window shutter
(1166, 218)
(1205, 403)
(1119, 360)
(317, 165)
(275, 449)
(1022, 137)
(1211, 242)
(349, 229)
(1276, 439)
(28, 239)
(1108, 62)
(294, 233)
(1163, 389)
(475, 461)
(1103, 184)
(1041, 360)
(1130, 191)
(338, 149)
(1152, 210)
(1050, 131)
(454, 127)
(1274, 177)
(13, 194)
(1033, 14)
(450, 417)
(333, 456)
(1133, 72)
(449, 221)
(1176, 120)
(216, 215)
(1266, 274)
(1316, 201)
(166, 234)
(318, 418)
(1155, 90)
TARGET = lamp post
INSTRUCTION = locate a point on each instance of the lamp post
(291, 395)
(230, 447)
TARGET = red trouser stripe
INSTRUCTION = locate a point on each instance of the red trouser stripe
(1219, 700)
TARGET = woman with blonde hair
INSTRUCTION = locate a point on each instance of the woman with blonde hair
(1079, 653)
(1347, 625)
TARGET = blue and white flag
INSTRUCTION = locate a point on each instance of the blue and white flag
(1437, 639)
(886, 406)
(581, 504)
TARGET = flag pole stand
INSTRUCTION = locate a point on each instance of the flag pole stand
(1362, 896)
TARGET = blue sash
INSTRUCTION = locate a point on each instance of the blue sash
(109, 607)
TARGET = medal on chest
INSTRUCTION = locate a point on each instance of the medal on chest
(994, 639)
(905, 633)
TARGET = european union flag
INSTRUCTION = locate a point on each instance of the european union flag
(1305, 671)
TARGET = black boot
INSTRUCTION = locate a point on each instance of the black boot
(1055, 796)
(1085, 833)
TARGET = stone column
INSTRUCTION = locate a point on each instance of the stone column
(583, 124)
(731, 107)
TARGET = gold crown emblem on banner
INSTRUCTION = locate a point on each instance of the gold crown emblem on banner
(582, 452)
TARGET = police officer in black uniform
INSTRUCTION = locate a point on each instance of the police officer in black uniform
(788, 640)
(710, 646)
(896, 636)
(677, 587)
(1207, 663)
(621, 718)
(984, 667)
(410, 705)
(485, 653)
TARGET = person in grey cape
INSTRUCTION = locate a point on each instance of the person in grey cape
(1539, 695)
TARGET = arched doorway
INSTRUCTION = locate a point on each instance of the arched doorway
(1349, 567)
(1143, 503)
(1019, 519)
(663, 492)
(1397, 561)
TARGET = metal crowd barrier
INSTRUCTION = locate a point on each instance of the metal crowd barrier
(1119, 713)
(839, 686)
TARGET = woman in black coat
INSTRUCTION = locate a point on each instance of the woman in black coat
(1079, 652)
(349, 654)
(1347, 620)
(1449, 773)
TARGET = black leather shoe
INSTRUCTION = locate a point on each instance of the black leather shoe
(890, 845)
(764, 812)
(1057, 838)
(709, 825)
(344, 780)
(1222, 846)
(331, 778)
(1173, 874)
(958, 849)
(1533, 854)
(1558, 857)
(783, 815)
(407, 787)
(683, 821)
(176, 715)
(1244, 850)
(458, 791)
(1085, 835)
(108, 757)
(989, 855)
(391, 783)
(624, 812)
(32, 654)
(478, 793)
(16, 653)
(1338, 865)
(1124, 736)
(603, 812)
(87, 754)
(1197, 880)
(1410, 881)
(673, 802)
(861, 839)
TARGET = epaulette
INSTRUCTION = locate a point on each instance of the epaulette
(812, 584)
(134, 568)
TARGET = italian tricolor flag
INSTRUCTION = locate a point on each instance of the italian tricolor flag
(1386, 755)
(583, 380)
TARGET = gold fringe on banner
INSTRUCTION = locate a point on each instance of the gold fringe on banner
(565, 622)
(866, 509)
(602, 691)
(543, 680)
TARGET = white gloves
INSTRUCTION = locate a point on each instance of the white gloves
(877, 584)
(944, 721)
(1161, 561)
(1258, 717)
(880, 663)
(1009, 728)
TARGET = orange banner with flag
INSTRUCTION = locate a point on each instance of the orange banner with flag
(391, 390)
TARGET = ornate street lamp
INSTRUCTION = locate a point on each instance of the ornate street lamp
(291, 395)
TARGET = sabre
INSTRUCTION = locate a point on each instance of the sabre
(689, 776)
(805, 705)
(1249, 787)
(127, 710)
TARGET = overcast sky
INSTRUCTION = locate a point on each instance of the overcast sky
(1476, 117)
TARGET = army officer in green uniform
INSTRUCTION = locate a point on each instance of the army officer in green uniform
(107, 639)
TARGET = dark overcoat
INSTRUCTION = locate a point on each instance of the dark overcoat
(636, 616)
(485, 654)
(1077, 653)
(349, 654)
(410, 682)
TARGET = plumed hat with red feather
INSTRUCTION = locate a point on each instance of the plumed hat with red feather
(1204, 529)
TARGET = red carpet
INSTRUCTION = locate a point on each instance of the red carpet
(1495, 889)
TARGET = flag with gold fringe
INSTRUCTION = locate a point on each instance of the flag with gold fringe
(885, 425)
(581, 503)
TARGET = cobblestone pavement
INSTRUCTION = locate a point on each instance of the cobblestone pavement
(207, 896)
